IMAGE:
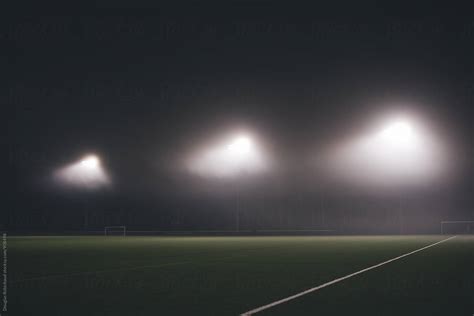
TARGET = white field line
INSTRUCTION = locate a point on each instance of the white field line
(289, 298)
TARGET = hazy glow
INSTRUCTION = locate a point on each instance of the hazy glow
(398, 133)
(85, 173)
(232, 157)
(399, 146)
(399, 152)
(90, 162)
(240, 146)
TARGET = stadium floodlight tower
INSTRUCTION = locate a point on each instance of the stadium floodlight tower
(239, 151)
(231, 159)
(399, 145)
(86, 175)
(399, 154)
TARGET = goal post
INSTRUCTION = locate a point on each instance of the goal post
(457, 227)
(115, 231)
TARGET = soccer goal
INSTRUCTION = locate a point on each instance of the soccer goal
(115, 231)
(457, 227)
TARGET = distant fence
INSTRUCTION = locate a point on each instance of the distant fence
(266, 232)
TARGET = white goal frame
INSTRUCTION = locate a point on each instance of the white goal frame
(453, 223)
(108, 228)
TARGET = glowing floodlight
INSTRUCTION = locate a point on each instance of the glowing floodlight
(401, 152)
(234, 156)
(90, 162)
(86, 173)
(400, 131)
(241, 145)
(399, 138)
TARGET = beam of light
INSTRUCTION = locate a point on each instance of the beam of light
(232, 157)
(401, 152)
(86, 173)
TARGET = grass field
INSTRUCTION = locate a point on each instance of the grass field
(231, 275)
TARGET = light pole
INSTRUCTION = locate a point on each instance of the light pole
(399, 139)
(86, 174)
(400, 210)
(230, 161)
(237, 213)
(88, 164)
(239, 149)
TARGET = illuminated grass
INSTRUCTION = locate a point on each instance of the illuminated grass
(230, 275)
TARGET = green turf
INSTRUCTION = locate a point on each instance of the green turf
(230, 275)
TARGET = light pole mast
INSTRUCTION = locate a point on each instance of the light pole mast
(237, 212)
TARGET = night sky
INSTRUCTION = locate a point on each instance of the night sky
(143, 87)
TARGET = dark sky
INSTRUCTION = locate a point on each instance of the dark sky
(140, 86)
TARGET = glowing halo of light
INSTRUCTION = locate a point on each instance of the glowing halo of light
(87, 173)
(240, 145)
(398, 132)
(90, 161)
(398, 152)
(231, 157)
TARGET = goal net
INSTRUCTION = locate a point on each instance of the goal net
(457, 227)
(115, 231)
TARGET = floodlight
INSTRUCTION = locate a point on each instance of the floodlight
(85, 173)
(398, 132)
(90, 161)
(241, 145)
(229, 158)
(400, 151)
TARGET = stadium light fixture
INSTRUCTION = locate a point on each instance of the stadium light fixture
(399, 152)
(86, 173)
(241, 145)
(90, 162)
(232, 157)
(398, 133)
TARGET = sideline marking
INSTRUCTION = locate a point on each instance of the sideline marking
(289, 298)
